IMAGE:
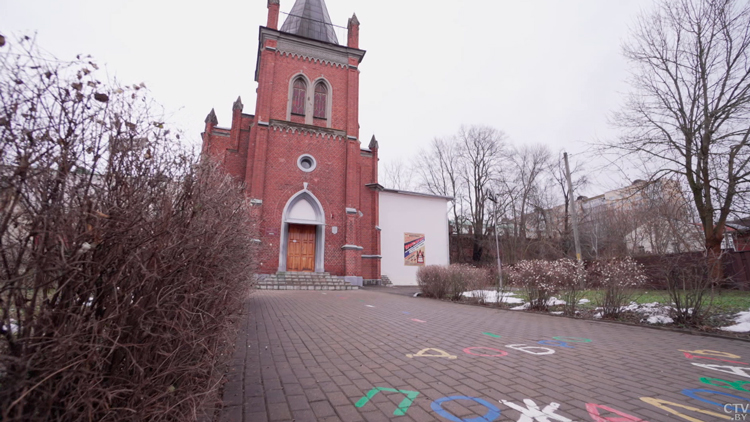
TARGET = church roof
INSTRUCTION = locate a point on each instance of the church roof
(309, 18)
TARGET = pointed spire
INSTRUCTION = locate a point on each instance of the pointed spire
(211, 118)
(373, 143)
(310, 19)
(238, 104)
(353, 32)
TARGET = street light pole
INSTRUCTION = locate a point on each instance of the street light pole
(574, 214)
(492, 198)
(573, 210)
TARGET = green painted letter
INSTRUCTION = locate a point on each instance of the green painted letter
(402, 407)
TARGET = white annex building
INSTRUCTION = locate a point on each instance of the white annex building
(414, 233)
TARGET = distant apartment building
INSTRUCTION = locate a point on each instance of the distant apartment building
(644, 217)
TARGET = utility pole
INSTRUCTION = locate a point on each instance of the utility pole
(572, 205)
(492, 198)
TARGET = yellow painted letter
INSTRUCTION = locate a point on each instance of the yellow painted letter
(661, 405)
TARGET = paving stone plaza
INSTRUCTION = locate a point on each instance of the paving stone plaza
(367, 355)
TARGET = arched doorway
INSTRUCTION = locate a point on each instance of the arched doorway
(302, 234)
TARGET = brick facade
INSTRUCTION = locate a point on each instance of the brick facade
(262, 150)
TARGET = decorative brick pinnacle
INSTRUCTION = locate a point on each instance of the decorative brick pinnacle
(353, 21)
(211, 118)
(238, 104)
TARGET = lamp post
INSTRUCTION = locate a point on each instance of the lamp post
(572, 205)
(492, 198)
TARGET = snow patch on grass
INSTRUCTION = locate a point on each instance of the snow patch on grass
(659, 319)
(742, 325)
(491, 296)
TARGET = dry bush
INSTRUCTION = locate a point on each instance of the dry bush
(618, 280)
(478, 280)
(690, 286)
(123, 260)
(433, 281)
(451, 282)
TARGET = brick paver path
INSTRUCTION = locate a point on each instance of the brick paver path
(315, 356)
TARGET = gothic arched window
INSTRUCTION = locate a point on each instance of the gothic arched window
(321, 101)
(299, 92)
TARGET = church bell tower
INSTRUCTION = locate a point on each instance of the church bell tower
(300, 155)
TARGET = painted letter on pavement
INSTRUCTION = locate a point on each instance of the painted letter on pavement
(532, 413)
(736, 370)
(402, 407)
(661, 405)
(596, 417)
(734, 385)
(423, 353)
(527, 349)
(492, 411)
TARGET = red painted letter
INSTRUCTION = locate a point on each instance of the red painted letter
(594, 413)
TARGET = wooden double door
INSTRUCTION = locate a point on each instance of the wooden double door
(300, 251)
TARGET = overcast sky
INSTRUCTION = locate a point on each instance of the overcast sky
(543, 71)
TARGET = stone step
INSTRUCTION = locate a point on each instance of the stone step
(302, 278)
(271, 286)
(300, 284)
(301, 281)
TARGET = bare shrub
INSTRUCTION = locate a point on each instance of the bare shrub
(433, 281)
(690, 287)
(617, 279)
(502, 288)
(124, 260)
(478, 281)
(451, 282)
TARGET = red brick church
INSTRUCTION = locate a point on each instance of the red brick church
(312, 185)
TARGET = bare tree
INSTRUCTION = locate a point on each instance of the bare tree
(665, 221)
(399, 175)
(528, 164)
(464, 166)
(482, 149)
(580, 181)
(604, 228)
(689, 110)
(439, 169)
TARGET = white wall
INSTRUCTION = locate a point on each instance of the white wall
(404, 213)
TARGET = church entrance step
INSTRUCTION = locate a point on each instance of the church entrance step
(301, 281)
(304, 287)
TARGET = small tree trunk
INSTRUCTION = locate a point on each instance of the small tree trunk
(477, 250)
(713, 257)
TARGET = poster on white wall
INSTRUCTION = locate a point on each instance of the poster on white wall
(414, 249)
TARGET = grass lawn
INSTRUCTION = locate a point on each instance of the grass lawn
(722, 301)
